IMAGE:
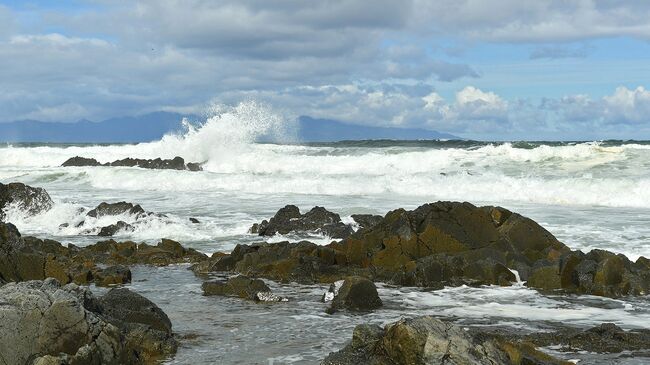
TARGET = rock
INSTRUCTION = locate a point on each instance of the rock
(606, 338)
(104, 209)
(28, 199)
(112, 275)
(367, 220)
(81, 161)
(114, 228)
(356, 294)
(42, 322)
(289, 219)
(147, 329)
(194, 220)
(332, 292)
(177, 163)
(426, 340)
(166, 252)
(238, 286)
(267, 296)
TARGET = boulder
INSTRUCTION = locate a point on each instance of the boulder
(366, 220)
(112, 229)
(28, 199)
(355, 294)
(289, 219)
(112, 275)
(426, 340)
(242, 287)
(81, 161)
(42, 322)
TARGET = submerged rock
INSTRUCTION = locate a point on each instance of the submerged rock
(176, 163)
(426, 340)
(243, 287)
(289, 219)
(28, 199)
(42, 322)
(355, 294)
(114, 228)
(606, 338)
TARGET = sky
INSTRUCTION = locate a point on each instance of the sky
(502, 69)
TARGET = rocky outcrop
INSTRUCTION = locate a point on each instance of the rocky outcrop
(440, 244)
(242, 287)
(426, 340)
(111, 230)
(42, 322)
(30, 258)
(105, 209)
(289, 219)
(176, 163)
(606, 338)
(355, 294)
(28, 199)
(366, 220)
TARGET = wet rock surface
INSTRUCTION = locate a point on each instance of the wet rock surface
(289, 219)
(103, 263)
(42, 322)
(426, 340)
(176, 163)
(26, 198)
(355, 294)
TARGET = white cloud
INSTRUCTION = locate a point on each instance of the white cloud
(627, 105)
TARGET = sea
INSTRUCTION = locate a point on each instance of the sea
(589, 194)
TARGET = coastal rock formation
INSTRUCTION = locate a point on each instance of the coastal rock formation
(289, 219)
(366, 220)
(355, 294)
(436, 245)
(42, 322)
(242, 287)
(426, 340)
(104, 209)
(31, 200)
(31, 258)
(176, 163)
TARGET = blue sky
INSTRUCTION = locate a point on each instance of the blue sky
(487, 70)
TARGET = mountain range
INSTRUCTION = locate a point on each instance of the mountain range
(153, 126)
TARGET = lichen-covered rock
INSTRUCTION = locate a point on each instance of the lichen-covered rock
(243, 287)
(42, 322)
(26, 198)
(355, 294)
(426, 340)
(289, 219)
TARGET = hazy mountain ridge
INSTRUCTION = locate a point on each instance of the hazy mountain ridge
(153, 126)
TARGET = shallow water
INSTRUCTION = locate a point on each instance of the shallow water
(589, 195)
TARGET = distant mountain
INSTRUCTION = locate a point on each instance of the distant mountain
(153, 126)
(325, 130)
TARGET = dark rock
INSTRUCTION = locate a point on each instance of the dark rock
(606, 338)
(367, 220)
(28, 199)
(426, 340)
(42, 322)
(356, 294)
(289, 219)
(104, 209)
(114, 228)
(112, 275)
(238, 286)
(177, 163)
(147, 329)
(194, 220)
(81, 161)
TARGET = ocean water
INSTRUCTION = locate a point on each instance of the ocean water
(588, 194)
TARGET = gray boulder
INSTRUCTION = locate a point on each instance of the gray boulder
(31, 200)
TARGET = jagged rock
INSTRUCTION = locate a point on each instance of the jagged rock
(42, 322)
(426, 340)
(81, 161)
(112, 275)
(194, 220)
(367, 220)
(177, 163)
(114, 228)
(30, 200)
(289, 219)
(166, 252)
(356, 294)
(104, 209)
(606, 338)
(243, 287)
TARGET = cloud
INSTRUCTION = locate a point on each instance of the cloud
(559, 51)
